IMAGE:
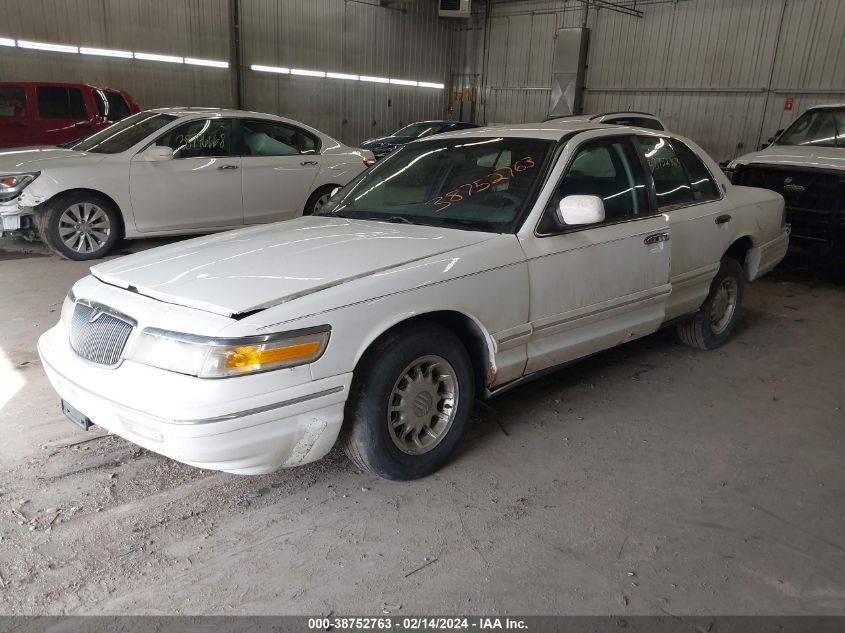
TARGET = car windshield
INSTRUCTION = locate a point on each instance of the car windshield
(477, 184)
(120, 136)
(822, 128)
(418, 130)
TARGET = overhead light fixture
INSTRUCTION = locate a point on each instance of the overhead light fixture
(403, 82)
(428, 84)
(342, 76)
(377, 80)
(154, 57)
(270, 69)
(105, 52)
(53, 48)
(307, 73)
(6, 41)
(206, 62)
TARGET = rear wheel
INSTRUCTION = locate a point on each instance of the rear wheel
(317, 199)
(715, 320)
(410, 399)
(80, 226)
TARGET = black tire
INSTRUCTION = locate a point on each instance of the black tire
(699, 330)
(367, 433)
(311, 206)
(53, 220)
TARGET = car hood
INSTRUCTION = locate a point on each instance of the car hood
(21, 159)
(386, 140)
(250, 269)
(796, 155)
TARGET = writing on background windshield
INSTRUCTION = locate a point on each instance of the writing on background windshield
(475, 183)
(821, 128)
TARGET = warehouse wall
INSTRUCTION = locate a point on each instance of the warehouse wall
(408, 41)
(718, 71)
(403, 41)
(186, 28)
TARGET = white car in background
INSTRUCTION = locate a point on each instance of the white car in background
(170, 171)
(454, 269)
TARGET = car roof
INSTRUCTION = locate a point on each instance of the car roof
(56, 84)
(827, 105)
(549, 130)
(593, 117)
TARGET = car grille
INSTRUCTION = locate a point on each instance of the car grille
(815, 200)
(99, 335)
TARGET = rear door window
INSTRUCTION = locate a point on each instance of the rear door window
(271, 138)
(12, 101)
(701, 182)
(56, 102)
(671, 183)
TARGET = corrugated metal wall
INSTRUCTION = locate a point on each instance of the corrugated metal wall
(407, 41)
(718, 71)
(187, 28)
(404, 40)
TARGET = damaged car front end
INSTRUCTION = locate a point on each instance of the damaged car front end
(17, 211)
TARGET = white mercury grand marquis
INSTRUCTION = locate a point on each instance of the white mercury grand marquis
(453, 270)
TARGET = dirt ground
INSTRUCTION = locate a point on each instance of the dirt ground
(648, 479)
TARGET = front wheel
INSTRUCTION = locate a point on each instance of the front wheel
(80, 226)
(410, 399)
(715, 320)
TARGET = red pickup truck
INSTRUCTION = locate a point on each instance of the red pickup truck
(36, 113)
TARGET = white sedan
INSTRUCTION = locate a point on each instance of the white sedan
(453, 270)
(170, 172)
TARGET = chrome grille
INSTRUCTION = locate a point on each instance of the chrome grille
(99, 335)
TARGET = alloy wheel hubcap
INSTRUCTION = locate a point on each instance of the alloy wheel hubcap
(724, 306)
(322, 200)
(422, 405)
(84, 227)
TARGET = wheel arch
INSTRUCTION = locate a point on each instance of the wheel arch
(44, 206)
(739, 248)
(475, 337)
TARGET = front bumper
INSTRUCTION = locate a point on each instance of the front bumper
(761, 259)
(233, 427)
(14, 217)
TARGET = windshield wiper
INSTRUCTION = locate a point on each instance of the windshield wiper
(398, 219)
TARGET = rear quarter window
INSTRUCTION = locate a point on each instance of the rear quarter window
(111, 105)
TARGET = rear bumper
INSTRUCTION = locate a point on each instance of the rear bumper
(290, 426)
(761, 259)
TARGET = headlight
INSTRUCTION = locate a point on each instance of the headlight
(11, 185)
(67, 308)
(222, 358)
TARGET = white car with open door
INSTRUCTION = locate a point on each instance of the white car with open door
(170, 172)
(452, 270)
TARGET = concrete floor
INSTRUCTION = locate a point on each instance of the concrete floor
(649, 479)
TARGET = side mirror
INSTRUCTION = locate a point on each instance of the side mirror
(157, 152)
(579, 210)
(334, 191)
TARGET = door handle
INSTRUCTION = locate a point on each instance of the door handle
(723, 219)
(309, 162)
(228, 167)
(656, 238)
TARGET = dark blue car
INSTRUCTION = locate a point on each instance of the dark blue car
(381, 147)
